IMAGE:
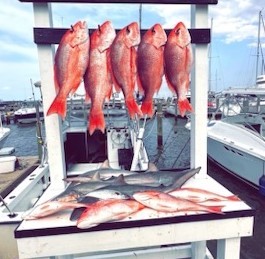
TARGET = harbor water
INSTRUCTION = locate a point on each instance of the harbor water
(174, 153)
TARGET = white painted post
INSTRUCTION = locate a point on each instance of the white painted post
(199, 94)
(56, 158)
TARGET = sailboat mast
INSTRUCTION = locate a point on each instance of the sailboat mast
(140, 16)
(257, 61)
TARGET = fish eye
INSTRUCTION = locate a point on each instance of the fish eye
(153, 30)
(178, 31)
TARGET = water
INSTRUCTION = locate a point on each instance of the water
(23, 139)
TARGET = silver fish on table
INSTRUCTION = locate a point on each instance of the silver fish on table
(105, 172)
(130, 189)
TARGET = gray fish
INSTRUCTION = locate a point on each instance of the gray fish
(105, 172)
(158, 178)
(130, 189)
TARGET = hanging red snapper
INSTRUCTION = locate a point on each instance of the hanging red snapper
(97, 78)
(107, 211)
(178, 62)
(70, 64)
(150, 65)
(123, 65)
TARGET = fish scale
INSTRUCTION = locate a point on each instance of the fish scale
(70, 64)
(97, 78)
(150, 65)
(178, 62)
(123, 65)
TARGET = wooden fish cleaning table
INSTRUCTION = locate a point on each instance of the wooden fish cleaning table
(146, 236)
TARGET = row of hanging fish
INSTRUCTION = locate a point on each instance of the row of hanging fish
(124, 60)
(107, 195)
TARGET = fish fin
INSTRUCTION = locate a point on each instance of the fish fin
(55, 79)
(133, 108)
(75, 215)
(184, 105)
(120, 180)
(58, 106)
(215, 209)
(147, 108)
(105, 164)
(96, 121)
(152, 167)
(233, 198)
(96, 177)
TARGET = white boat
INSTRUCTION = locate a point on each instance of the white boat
(237, 141)
(26, 115)
(238, 150)
(4, 132)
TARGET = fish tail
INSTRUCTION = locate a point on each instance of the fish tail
(233, 198)
(184, 105)
(133, 108)
(215, 209)
(58, 106)
(96, 121)
(147, 108)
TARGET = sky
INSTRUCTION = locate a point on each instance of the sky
(233, 52)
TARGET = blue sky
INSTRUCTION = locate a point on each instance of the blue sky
(234, 42)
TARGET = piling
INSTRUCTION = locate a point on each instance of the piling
(159, 115)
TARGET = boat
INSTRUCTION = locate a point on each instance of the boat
(4, 132)
(28, 114)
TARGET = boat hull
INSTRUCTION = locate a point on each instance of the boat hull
(241, 164)
(225, 147)
(27, 118)
(4, 132)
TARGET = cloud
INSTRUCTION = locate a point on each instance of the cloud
(236, 21)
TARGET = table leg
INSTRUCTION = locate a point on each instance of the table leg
(228, 248)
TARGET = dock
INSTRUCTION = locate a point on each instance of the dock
(24, 166)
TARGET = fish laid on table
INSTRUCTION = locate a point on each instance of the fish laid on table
(123, 65)
(165, 178)
(200, 195)
(49, 208)
(150, 65)
(149, 177)
(71, 197)
(105, 172)
(97, 78)
(165, 202)
(107, 211)
(130, 189)
(178, 61)
(71, 60)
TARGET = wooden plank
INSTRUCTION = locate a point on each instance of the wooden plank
(126, 1)
(54, 35)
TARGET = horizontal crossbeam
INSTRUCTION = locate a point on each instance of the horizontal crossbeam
(54, 35)
(204, 2)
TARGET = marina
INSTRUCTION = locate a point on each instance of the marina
(37, 215)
